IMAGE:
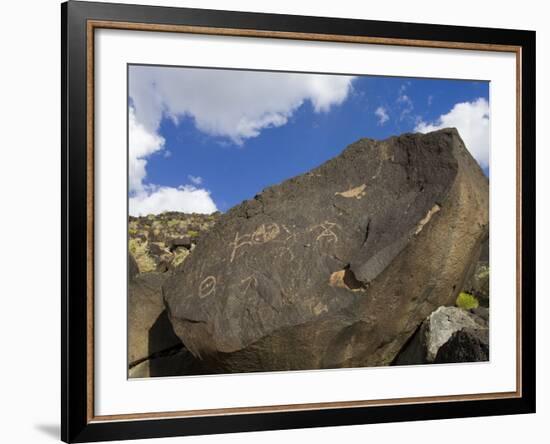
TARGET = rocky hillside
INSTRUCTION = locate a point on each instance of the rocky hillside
(162, 242)
(377, 257)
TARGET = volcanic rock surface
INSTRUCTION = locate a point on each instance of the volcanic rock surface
(337, 267)
(444, 330)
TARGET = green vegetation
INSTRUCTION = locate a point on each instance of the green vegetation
(150, 236)
(138, 249)
(466, 301)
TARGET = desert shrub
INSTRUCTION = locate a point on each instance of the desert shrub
(192, 233)
(138, 249)
(466, 301)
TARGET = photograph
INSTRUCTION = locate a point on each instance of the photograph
(286, 221)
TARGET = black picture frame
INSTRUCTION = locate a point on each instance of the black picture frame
(77, 424)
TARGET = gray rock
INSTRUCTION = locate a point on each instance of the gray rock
(156, 250)
(445, 321)
(466, 345)
(133, 269)
(149, 330)
(175, 362)
(140, 370)
(436, 331)
(482, 312)
(477, 280)
(184, 242)
(339, 266)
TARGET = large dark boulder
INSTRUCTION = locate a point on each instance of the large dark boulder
(339, 266)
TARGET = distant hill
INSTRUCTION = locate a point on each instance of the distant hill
(162, 242)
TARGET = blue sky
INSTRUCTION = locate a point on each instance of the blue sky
(204, 140)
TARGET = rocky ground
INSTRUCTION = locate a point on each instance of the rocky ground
(378, 257)
(161, 242)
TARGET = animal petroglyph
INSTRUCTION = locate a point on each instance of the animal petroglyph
(357, 192)
(207, 286)
(263, 234)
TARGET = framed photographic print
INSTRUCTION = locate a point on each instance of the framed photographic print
(275, 221)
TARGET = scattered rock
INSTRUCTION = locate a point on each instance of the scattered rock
(150, 238)
(184, 242)
(339, 266)
(156, 249)
(163, 266)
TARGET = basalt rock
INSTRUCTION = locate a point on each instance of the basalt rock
(466, 345)
(437, 333)
(339, 266)
(149, 330)
(133, 269)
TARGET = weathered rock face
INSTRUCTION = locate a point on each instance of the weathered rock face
(133, 269)
(449, 334)
(339, 266)
(477, 281)
(149, 330)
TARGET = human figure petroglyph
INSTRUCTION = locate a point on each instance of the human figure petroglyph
(237, 243)
(207, 286)
(327, 231)
(250, 281)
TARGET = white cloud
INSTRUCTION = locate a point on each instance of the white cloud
(232, 104)
(197, 180)
(151, 199)
(405, 99)
(187, 199)
(471, 119)
(235, 105)
(382, 115)
(404, 103)
(142, 143)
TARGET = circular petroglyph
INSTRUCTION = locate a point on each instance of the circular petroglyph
(207, 286)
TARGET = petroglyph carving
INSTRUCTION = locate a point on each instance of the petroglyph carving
(265, 233)
(207, 286)
(327, 231)
(286, 250)
(320, 308)
(238, 243)
(357, 192)
(427, 218)
(250, 281)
